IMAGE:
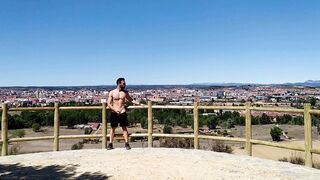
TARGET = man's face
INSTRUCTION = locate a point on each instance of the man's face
(122, 85)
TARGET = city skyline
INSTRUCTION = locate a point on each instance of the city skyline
(76, 43)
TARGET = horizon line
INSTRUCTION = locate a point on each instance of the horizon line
(186, 84)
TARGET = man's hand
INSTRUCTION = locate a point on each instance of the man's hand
(134, 102)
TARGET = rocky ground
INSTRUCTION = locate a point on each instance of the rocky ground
(145, 163)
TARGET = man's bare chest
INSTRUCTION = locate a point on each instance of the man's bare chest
(119, 96)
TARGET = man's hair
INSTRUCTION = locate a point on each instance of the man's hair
(119, 80)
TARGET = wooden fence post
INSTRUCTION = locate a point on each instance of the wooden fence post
(104, 125)
(4, 129)
(56, 127)
(308, 135)
(248, 129)
(196, 125)
(150, 125)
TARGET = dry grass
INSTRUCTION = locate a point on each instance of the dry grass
(15, 149)
(296, 158)
(219, 146)
(177, 143)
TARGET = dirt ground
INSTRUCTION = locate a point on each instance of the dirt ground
(260, 132)
(147, 163)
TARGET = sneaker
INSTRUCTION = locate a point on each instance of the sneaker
(127, 146)
(109, 146)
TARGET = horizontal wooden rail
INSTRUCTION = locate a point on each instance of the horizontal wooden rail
(174, 135)
(80, 136)
(31, 139)
(81, 108)
(222, 138)
(65, 137)
(314, 111)
(223, 107)
(138, 107)
(139, 135)
(32, 109)
(272, 144)
(171, 107)
(287, 110)
(316, 151)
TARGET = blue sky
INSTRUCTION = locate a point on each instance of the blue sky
(77, 42)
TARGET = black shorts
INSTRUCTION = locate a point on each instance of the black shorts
(119, 118)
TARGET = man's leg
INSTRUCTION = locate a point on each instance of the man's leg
(114, 125)
(112, 132)
(125, 135)
(124, 123)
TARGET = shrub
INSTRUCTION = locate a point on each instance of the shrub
(167, 129)
(70, 121)
(230, 123)
(77, 146)
(223, 124)
(15, 148)
(18, 133)
(316, 165)
(88, 130)
(219, 146)
(184, 126)
(285, 159)
(186, 143)
(275, 133)
(143, 123)
(297, 160)
(36, 127)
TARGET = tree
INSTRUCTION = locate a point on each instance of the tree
(144, 123)
(71, 120)
(265, 119)
(36, 127)
(298, 120)
(212, 124)
(285, 119)
(15, 122)
(276, 133)
(167, 129)
(313, 101)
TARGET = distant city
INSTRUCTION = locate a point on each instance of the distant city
(236, 94)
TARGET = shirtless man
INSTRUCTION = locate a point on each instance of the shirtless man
(116, 102)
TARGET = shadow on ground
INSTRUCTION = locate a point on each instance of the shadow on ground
(18, 171)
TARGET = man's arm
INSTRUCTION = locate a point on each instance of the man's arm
(131, 100)
(110, 99)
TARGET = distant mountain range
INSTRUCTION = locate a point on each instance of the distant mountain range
(309, 83)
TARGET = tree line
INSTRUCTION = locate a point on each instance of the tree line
(170, 117)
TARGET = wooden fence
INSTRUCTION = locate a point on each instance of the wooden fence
(307, 112)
